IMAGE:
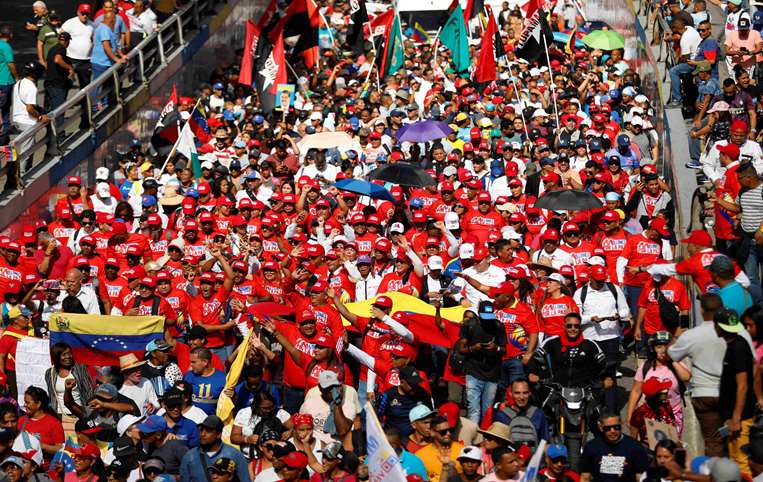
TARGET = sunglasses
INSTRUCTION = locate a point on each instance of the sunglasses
(445, 431)
(608, 428)
(87, 223)
(559, 460)
(572, 325)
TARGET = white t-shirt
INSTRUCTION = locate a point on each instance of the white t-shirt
(24, 93)
(144, 23)
(319, 409)
(690, 41)
(81, 43)
(142, 394)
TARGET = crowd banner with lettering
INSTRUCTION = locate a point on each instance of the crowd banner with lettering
(32, 359)
(419, 317)
(102, 339)
(383, 462)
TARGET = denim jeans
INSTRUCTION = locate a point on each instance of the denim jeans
(752, 266)
(632, 294)
(97, 70)
(5, 108)
(362, 392)
(480, 394)
(55, 96)
(511, 370)
(675, 73)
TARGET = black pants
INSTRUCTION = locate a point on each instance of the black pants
(82, 72)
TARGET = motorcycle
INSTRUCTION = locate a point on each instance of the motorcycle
(573, 412)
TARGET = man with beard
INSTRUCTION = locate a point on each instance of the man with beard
(211, 448)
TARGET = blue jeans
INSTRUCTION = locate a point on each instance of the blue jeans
(511, 370)
(480, 394)
(362, 393)
(97, 70)
(55, 96)
(675, 73)
(632, 294)
(5, 108)
(752, 266)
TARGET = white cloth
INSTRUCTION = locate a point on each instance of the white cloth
(143, 24)
(366, 288)
(87, 297)
(142, 394)
(81, 44)
(690, 41)
(749, 151)
(493, 276)
(24, 93)
(558, 258)
(103, 205)
(319, 409)
(602, 304)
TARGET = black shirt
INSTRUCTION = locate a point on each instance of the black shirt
(55, 74)
(619, 462)
(738, 359)
(483, 364)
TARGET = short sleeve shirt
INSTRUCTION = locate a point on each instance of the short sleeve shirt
(6, 57)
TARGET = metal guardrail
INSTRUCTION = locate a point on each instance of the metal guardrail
(37, 145)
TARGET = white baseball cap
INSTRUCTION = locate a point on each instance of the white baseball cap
(596, 260)
(507, 232)
(397, 228)
(102, 174)
(452, 221)
(466, 251)
(449, 171)
(434, 262)
(102, 189)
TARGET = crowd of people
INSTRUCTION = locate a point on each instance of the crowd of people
(257, 250)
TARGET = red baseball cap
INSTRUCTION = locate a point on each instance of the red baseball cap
(315, 250)
(419, 217)
(319, 287)
(383, 301)
(653, 385)
(700, 238)
(270, 265)
(88, 450)
(505, 288)
(74, 181)
(154, 220)
(473, 184)
(484, 197)
(64, 213)
(191, 226)
(148, 281)
(403, 350)
(13, 246)
(84, 8)
(111, 262)
(468, 147)
(240, 265)
(81, 261)
(206, 217)
(566, 270)
(480, 253)
(134, 250)
(730, 149)
(207, 277)
(570, 227)
(659, 225)
(357, 219)
(162, 276)
(550, 235)
(610, 216)
(598, 273)
(204, 188)
(383, 244)
(323, 340)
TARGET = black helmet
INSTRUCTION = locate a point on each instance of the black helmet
(34, 69)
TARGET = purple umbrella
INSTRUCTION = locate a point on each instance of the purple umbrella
(423, 131)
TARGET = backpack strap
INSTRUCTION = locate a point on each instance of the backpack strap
(613, 290)
(154, 304)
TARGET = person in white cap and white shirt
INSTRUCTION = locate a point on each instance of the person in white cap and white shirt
(317, 403)
(102, 201)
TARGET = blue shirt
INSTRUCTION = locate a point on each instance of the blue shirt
(709, 49)
(709, 87)
(735, 297)
(206, 390)
(186, 431)
(192, 470)
(244, 396)
(103, 34)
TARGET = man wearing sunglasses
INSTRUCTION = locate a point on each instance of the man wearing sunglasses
(612, 456)
(443, 448)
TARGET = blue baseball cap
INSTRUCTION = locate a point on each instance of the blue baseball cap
(239, 144)
(556, 451)
(192, 192)
(259, 119)
(487, 311)
(148, 201)
(623, 140)
(153, 424)
(252, 175)
(218, 86)
(546, 161)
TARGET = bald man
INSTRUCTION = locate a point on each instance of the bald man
(77, 298)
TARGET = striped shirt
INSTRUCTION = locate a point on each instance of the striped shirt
(751, 202)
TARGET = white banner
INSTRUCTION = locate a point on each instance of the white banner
(535, 461)
(383, 463)
(32, 359)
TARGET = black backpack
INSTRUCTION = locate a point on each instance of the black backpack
(668, 312)
(154, 304)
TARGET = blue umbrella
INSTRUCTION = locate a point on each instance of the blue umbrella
(364, 188)
(423, 131)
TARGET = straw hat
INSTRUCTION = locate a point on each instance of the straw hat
(171, 197)
(543, 263)
(498, 430)
(129, 361)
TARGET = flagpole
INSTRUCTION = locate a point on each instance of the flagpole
(553, 86)
(521, 110)
(328, 29)
(174, 146)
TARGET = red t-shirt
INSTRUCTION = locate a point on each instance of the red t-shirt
(519, 322)
(673, 291)
(613, 245)
(47, 429)
(696, 267)
(8, 345)
(10, 273)
(208, 312)
(580, 254)
(481, 225)
(729, 190)
(552, 313)
(640, 251)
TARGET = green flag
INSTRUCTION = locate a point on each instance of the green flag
(395, 55)
(453, 35)
(187, 147)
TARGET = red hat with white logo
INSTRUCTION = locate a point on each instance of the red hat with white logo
(383, 301)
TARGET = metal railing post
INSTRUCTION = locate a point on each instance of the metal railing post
(117, 85)
(160, 46)
(141, 66)
(181, 40)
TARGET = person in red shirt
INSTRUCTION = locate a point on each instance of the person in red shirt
(648, 321)
(726, 189)
(483, 220)
(363, 239)
(75, 198)
(641, 250)
(11, 270)
(87, 246)
(579, 249)
(111, 286)
(177, 299)
(522, 330)
(611, 239)
(699, 245)
(555, 305)
(64, 226)
(20, 318)
(149, 303)
(206, 309)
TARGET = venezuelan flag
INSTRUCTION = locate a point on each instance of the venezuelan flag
(569, 47)
(419, 33)
(421, 318)
(101, 340)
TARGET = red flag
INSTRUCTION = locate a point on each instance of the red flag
(381, 23)
(247, 62)
(171, 104)
(486, 70)
(473, 8)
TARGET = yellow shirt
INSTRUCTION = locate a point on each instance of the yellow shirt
(431, 458)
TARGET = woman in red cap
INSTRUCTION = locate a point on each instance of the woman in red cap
(655, 407)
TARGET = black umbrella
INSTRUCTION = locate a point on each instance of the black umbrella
(568, 200)
(404, 174)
